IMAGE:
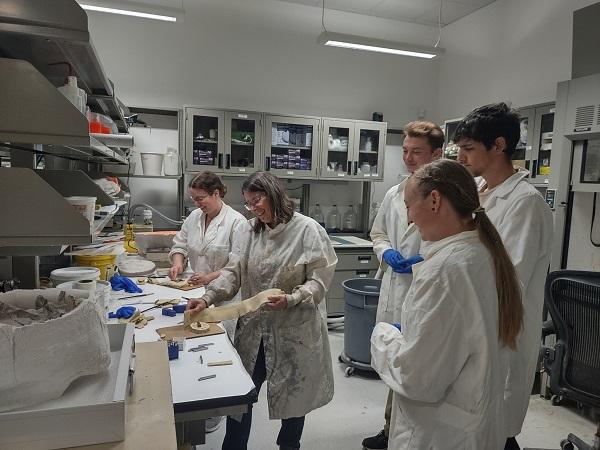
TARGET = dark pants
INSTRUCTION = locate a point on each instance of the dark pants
(237, 433)
(511, 444)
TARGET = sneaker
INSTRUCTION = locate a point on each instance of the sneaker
(213, 424)
(377, 442)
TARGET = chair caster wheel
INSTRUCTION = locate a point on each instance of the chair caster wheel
(349, 371)
(340, 358)
(556, 400)
(566, 445)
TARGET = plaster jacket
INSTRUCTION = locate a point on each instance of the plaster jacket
(524, 222)
(391, 230)
(298, 258)
(447, 367)
(206, 249)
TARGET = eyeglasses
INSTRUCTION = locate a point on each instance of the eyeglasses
(252, 204)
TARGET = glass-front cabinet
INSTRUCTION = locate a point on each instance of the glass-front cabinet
(292, 146)
(204, 138)
(243, 132)
(534, 149)
(337, 149)
(369, 139)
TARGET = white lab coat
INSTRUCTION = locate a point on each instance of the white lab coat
(391, 230)
(524, 222)
(447, 367)
(298, 258)
(207, 249)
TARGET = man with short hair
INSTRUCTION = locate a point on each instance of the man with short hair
(487, 137)
(396, 242)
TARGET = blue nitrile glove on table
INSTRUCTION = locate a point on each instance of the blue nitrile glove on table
(406, 266)
(397, 325)
(123, 283)
(393, 258)
(124, 312)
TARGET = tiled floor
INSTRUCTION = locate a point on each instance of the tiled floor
(357, 411)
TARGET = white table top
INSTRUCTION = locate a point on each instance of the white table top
(231, 381)
(350, 242)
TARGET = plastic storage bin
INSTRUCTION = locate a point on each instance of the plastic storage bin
(152, 163)
(105, 263)
(361, 296)
(85, 205)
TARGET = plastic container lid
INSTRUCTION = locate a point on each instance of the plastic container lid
(74, 274)
(136, 268)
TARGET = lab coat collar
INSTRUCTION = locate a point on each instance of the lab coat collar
(433, 247)
(210, 233)
(402, 184)
(279, 228)
(508, 186)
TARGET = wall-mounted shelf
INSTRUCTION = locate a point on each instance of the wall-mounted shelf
(164, 177)
(44, 33)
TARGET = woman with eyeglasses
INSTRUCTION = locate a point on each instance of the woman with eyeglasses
(205, 236)
(285, 342)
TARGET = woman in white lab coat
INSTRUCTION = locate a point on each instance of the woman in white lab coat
(286, 341)
(461, 317)
(206, 235)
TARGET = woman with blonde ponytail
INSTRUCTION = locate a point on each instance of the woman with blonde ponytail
(460, 319)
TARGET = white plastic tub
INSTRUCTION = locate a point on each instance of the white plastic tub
(65, 274)
(152, 163)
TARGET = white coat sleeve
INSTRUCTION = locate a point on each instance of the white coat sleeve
(422, 362)
(523, 232)
(227, 284)
(180, 241)
(379, 233)
(320, 261)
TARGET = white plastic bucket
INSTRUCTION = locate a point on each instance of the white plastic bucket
(152, 163)
(65, 274)
(85, 205)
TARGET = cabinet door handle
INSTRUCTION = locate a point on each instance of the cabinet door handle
(349, 168)
(534, 168)
(355, 168)
(267, 163)
(220, 161)
(228, 161)
(362, 273)
(364, 259)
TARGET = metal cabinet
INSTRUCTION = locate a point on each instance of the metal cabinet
(534, 148)
(243, 137)
(352, 263)
(292, 146)
(450, 147)
(352, 150)
(369, 138)
(204, 139)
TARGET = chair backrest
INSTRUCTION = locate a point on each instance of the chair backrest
(573, 301)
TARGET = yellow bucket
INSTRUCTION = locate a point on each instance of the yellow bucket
(106, 264)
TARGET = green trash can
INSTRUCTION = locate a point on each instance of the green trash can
(361, 296)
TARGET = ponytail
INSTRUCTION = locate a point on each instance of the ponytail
(510, 306)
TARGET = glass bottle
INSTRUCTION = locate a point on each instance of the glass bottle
(350, 219)
(318, 215)
(334, 219)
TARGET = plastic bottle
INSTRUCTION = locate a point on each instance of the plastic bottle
(318, 215)
(75, 95)
(334, 219)
(147, 215)
(350, 219)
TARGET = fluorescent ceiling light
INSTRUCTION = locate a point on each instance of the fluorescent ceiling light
(378, 45)
(126, 12)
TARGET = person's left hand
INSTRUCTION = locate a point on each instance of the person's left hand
(277, 302)
(200, 279)
(406, 266)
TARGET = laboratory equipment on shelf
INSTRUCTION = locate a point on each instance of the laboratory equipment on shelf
(318, 215)
(334, 221)
(349, 223)
(129, 241)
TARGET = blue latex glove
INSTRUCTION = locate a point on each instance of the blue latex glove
(406, 266)
(397, 325)
(393, 258)
(124, 312)
(123, 283)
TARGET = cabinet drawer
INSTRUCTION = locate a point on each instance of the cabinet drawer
(335, 306)
(355, 261)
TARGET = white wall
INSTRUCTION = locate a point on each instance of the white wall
(511, 50)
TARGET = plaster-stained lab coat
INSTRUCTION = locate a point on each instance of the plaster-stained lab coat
(524, 222)
(391, 230)
(447, 367)
(298, 258)
(207, 249)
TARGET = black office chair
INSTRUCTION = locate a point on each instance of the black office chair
(573, 364)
